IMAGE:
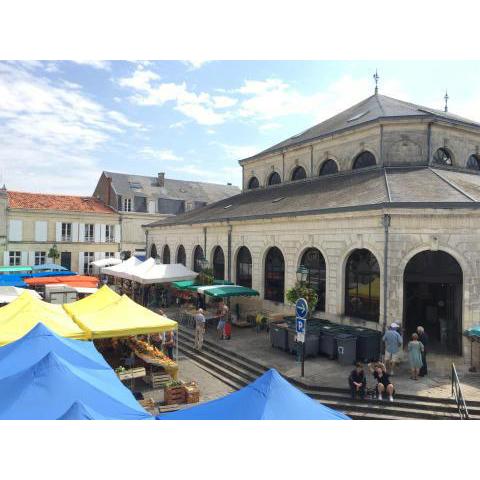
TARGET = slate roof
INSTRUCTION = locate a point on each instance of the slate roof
(369, 188)
(42, 201)
(371, 109)
(174, 189)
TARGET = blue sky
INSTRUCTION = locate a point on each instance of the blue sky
(62, 123)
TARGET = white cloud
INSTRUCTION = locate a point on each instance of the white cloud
(51, 132)
(179, 124)
(98, 64)
(237, 152)
(221, 101)
(160, 154)
(228, 174)
(195, 64)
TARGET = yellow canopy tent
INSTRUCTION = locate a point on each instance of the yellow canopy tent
(20, 316)
(92, 303)
(123, 319)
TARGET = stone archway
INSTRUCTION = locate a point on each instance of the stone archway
(432, 298)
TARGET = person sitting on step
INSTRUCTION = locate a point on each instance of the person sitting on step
(357, 381)
(384, 385)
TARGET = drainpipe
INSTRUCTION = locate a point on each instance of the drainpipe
(205, 242)
(146, 244)
(229, 254)
(429, 142)
(386, 224)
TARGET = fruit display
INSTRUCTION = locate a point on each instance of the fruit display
(146, 351)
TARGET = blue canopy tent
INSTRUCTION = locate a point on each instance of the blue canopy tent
(48, 267)
(46, 377)
(12, 281)
(270, 397)
(38, 342)
(62, 273)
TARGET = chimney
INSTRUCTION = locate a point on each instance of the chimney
(161, 179)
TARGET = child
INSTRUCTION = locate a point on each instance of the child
(227, 330)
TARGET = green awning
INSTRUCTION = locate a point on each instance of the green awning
(192, 286)
(224, 291)
(14, 269)
(473, 332)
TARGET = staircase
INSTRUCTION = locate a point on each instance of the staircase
(237, 371)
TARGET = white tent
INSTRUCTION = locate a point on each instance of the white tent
(9, 294)
(139, 269)
(122, 269)
(162, 273)
(106, 262)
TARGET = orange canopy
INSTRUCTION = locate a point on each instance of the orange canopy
(72, 281)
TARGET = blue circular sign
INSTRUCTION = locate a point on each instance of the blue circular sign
(301, 308)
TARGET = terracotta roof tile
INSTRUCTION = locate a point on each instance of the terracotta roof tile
(42, 201)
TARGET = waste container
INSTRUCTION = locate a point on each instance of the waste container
(291, 341)
(346, 348)
(328, 342)
(278, 337)
(368, 345)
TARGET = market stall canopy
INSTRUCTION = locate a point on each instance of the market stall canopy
(193, 286)
(80, 411)
(270, 397)
(40, 341)
(473, 332)
(224, 291)
(121, 270)
(52, 267)
(93, 303)
(123, 318)
(15, 269)
(106, 262)
(162, 273)
(20, 316)
(9, 294)
(49, 389)
(62, 273)
(73, 281)
(12, 281)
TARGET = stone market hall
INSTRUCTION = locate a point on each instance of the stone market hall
(380, 203)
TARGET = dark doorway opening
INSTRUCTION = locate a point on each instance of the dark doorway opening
(66, 260)
(433, 287)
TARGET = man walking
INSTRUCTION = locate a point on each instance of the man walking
(199, 329)
(393, 342)
(423, 338)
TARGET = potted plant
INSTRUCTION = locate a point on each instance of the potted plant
(53, 253)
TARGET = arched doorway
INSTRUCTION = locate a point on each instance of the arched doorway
(274, 275)
(218, 264)
(314, 262)
(433, 291)
(274, 179)
(153, 251)
(197, 257)
(166, 254)
(362, 285)
(298, 173)
(181, 256)
(244, 267)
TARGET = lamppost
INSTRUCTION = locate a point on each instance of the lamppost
(302, 274)
(203, 263)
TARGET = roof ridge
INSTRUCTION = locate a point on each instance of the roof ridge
(55, 195)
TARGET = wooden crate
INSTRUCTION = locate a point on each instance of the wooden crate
(137, 372)
(174, 395)
(192, 393)
(149, 405)
(168, 408)
(157, 380)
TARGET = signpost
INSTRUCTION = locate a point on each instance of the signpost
(301, 313)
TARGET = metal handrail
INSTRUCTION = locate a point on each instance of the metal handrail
(458, 395)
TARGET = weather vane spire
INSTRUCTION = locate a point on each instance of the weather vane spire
(376, 77)
(446, 97)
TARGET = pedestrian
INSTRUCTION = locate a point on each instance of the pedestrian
(384, 385)
(169, 344)
(357, 381)
(393, 342)
(223, 309)
(199, 329)
(415, 349)
(227, 331)
(423, 338)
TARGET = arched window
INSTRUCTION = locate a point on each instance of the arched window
(153, 251)
(442, 157)
(328, 167)
(244, 268)
(364, 159)
(314, 262)
(473, 162)
(362, 285)
(181, 256)
(218, 264)
(197, 256)
(274, 275)
(253, 183)
(298, 173)
(166, 254)
(274, 179)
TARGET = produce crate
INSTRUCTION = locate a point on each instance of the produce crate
(192, 393)
(168, 408)
(137, 372)
(149, 405)
(157, 380)
(175, 395)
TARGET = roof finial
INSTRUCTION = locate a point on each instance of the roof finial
(446, 97)
(376, 77)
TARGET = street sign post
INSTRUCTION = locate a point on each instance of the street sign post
(301, 313)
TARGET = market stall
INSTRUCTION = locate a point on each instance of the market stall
(9, 294)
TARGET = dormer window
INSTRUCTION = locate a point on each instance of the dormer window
(135, 185)
(298, 173)
(364, 159)
(127, 204)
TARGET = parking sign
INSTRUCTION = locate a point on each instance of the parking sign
(301, 310)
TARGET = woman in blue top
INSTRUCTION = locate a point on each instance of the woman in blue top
(415, 349)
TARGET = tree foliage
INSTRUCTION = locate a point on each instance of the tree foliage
(300, 290)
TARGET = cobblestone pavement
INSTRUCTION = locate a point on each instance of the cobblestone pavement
(322, 371)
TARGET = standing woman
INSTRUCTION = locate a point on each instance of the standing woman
(415, 349)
